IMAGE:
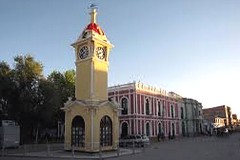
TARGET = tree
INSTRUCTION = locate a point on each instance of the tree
(27, 97)
(70, 82)
(6, 88)
(64, 84)
(32, 100)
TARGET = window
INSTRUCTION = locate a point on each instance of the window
(195, 112)
(182, 114)
(106, 131)
(78, 132)
(159, 108)
(172, 111)
(124, 103)
(163, 108)
(147, 107)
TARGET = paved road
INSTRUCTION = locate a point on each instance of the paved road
(198, 148)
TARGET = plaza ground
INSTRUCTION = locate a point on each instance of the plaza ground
(194, 148)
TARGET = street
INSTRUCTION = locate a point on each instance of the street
(193, 148)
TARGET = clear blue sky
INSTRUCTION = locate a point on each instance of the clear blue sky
(191, 47)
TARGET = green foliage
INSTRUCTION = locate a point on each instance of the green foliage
(29, 98)
(64, 83)
(6, 88)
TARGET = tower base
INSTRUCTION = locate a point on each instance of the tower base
(91, 126)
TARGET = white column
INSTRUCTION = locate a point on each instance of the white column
(141, 126)
(129, 98)
(136, 102)
(140, 96)
(134, 106)
(137, 129)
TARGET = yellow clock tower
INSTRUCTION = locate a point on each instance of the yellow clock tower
(91, 121)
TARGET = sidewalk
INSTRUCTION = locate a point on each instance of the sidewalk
(42, 152)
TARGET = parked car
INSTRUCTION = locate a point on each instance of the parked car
(226, 131)
(222, 131)
(131, 140)
(145, 140)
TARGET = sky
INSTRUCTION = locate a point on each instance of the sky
(191, 47)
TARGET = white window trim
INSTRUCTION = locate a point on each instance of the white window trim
(150, 105)
(128, 105)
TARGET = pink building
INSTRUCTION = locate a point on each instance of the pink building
(146, 110)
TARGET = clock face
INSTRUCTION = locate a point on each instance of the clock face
(83, 53)
(100, 52)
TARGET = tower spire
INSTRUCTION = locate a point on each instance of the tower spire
(93, 13)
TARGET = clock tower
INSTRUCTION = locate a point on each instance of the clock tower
(91, 121)
(92, 54)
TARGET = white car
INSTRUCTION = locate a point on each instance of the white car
(145, 140)
(225, 131)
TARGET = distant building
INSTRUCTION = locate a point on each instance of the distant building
(146, 110)
(152, 111)
(191, 115)
(234, 119)
(219, 122)
(210, 114)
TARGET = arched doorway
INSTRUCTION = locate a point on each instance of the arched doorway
(106, 131)
(78, 132)
(173, 130)
(159, 128)
(124, 129)
(147, 129)
(183, 129)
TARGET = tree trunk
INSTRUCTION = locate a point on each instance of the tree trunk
(36, 138)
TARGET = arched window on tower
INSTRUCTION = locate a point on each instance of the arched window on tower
(78, 132)
(124, 103)
(147, 107)
(106, 131)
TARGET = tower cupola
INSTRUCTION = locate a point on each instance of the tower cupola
(93, 29)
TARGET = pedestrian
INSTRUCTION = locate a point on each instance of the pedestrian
(158, 137)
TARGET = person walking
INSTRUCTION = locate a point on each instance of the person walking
(159, 136)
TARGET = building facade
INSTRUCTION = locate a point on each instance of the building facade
(209, 114)
(234, 119)
(146, 110)
(191, 116)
